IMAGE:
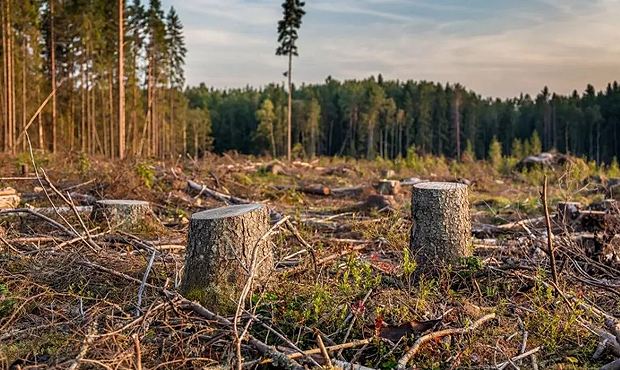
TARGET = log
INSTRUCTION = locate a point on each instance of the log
(388, 187)
(9, 198)
(348, 191)
(119, 213)
(316, 189)
(441, 234)
(225, 247)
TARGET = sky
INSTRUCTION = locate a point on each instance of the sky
(497, 48)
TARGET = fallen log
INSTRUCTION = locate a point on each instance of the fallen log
(307, 189)
(203, 189)
(349, 191)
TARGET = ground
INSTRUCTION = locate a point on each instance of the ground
(67, 302)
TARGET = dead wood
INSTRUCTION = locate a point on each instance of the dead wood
(402, 363)
(318, 189)
(9, 198)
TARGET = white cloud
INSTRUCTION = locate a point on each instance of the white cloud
(499, 51)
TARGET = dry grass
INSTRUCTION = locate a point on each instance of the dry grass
(63, 305)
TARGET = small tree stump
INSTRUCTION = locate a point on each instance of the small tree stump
(441, 234)
(224, 246)
(9, 198)
(124, 214)
(388, 187)
(568, 211)
(388, 174)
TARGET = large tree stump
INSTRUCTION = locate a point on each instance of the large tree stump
(225, 247)
(123, 214)
(441, 234)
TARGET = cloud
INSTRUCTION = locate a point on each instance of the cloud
(496, 48)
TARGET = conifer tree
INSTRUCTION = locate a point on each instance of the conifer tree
(287, 37)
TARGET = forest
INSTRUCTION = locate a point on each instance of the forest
(64, 58)
(367, 224)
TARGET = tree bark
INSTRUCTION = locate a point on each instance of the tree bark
(53, 74)
(290, 108)
(226, 247)
(121, 80)
(441, 234)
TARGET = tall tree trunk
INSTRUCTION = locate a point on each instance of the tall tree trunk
(134, 116)
(121, 80)
(53, 74)
(457, 124)
(10, 78)
(5, 78)
(40, 123)
(24, 98)
(83, 118)
(104, 124)
(111, 115)
(290, 107)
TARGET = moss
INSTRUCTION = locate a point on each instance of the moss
(222, 301)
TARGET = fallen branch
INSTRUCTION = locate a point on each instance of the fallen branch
(402, 363)
(550, 251)
(226, 198)
(317, 351)
(527, 354)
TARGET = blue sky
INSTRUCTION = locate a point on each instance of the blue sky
(495, 47)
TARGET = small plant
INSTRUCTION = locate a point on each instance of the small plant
(146, 172)
(6, 304)
(495, 153)
(614, 168)
(409, 263)
(358, 277)
(83, 163)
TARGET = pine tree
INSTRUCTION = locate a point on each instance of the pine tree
(121, 80)
(495, 153)
(156, 59)
(535, 144)
(517, 148)
(176, 51)
(265, 131)
(287, 37)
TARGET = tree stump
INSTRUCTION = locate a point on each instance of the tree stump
(224, 246)
(441, 234)
(9, 198)
(388, 187)
(123, 214)
(568, 211)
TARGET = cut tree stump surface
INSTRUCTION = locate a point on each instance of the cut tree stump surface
(9, 198)
(224, 246)
(441, 233)
(127, 214)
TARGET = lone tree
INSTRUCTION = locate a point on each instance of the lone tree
(287, 36)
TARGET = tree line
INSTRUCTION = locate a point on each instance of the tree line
(377, 118)
(97, 76)
(107, 78)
